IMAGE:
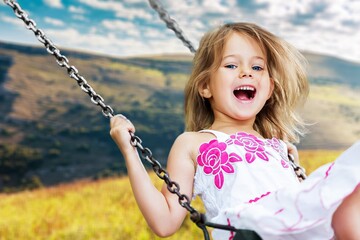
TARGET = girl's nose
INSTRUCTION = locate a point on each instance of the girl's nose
(245, 72)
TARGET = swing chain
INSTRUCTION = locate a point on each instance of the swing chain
(299, 171)
(60, 59)
(172, 186)
(171, 24)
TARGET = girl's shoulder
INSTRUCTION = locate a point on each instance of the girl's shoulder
(190, 142)
(195, 137)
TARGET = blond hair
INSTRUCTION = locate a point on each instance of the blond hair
(278, 118)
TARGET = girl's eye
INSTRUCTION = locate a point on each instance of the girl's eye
(257, 68)
(231, 66)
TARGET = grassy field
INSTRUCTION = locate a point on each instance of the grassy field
(101, 210)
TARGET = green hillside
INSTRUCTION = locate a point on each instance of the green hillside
(333, 109)
(50, 132)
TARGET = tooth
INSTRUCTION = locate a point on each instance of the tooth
(245, 88)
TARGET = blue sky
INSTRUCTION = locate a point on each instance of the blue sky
(131, 27)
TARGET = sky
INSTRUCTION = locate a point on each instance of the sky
(131, 27)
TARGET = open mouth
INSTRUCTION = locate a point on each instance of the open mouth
(245, 93)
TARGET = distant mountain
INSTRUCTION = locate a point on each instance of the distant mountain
(333, 108)
(325, 70)
(51, 132)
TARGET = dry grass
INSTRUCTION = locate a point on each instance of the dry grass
(84, 210)
(98, 210)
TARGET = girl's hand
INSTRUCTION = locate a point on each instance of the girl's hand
(293, 151)
(120, 128)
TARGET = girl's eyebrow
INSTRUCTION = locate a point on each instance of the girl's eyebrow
(237, 56)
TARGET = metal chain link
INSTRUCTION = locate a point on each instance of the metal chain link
(299, 171)
(171, 24)
(60, 59)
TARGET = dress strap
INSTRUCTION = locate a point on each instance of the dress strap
(217, 134)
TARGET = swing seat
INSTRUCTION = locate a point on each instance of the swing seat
(244, 234)
(240, 234)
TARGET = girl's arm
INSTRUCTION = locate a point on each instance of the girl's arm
(293, 151)
(161, 209)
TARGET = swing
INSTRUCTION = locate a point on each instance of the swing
(197, 217)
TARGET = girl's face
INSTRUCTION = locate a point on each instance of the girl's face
(239, 88)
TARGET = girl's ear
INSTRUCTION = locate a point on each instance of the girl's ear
(204, 90)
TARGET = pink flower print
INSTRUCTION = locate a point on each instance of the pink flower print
(258, 198)
(232, 234)
(215, 160)
(284, 164)
(276, 145)
(254, 146)
(329, 169)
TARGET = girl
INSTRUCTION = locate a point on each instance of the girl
(240, 106)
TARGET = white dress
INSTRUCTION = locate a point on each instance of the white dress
(248, 183)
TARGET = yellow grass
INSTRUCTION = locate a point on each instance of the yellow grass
(335, 94)
(312, 159)
(102, 210)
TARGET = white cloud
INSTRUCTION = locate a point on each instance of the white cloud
(54, 3)
(54, 22)
(79, 17)
(101, 43)
(170, 46)
(113, 44)
(128, 28)
(283, 9)
(186, 9)
(77, 13)
(133, 1)
(77, 10)
(215, 6)
(93, 30)
(343, 11)
(12, 20)
(153, 33)
(105, 5)
(322, 26)
(119, 9)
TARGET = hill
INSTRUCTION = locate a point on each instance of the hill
(50, 132)
(333, 108)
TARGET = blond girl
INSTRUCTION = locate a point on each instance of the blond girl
(240, 115)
